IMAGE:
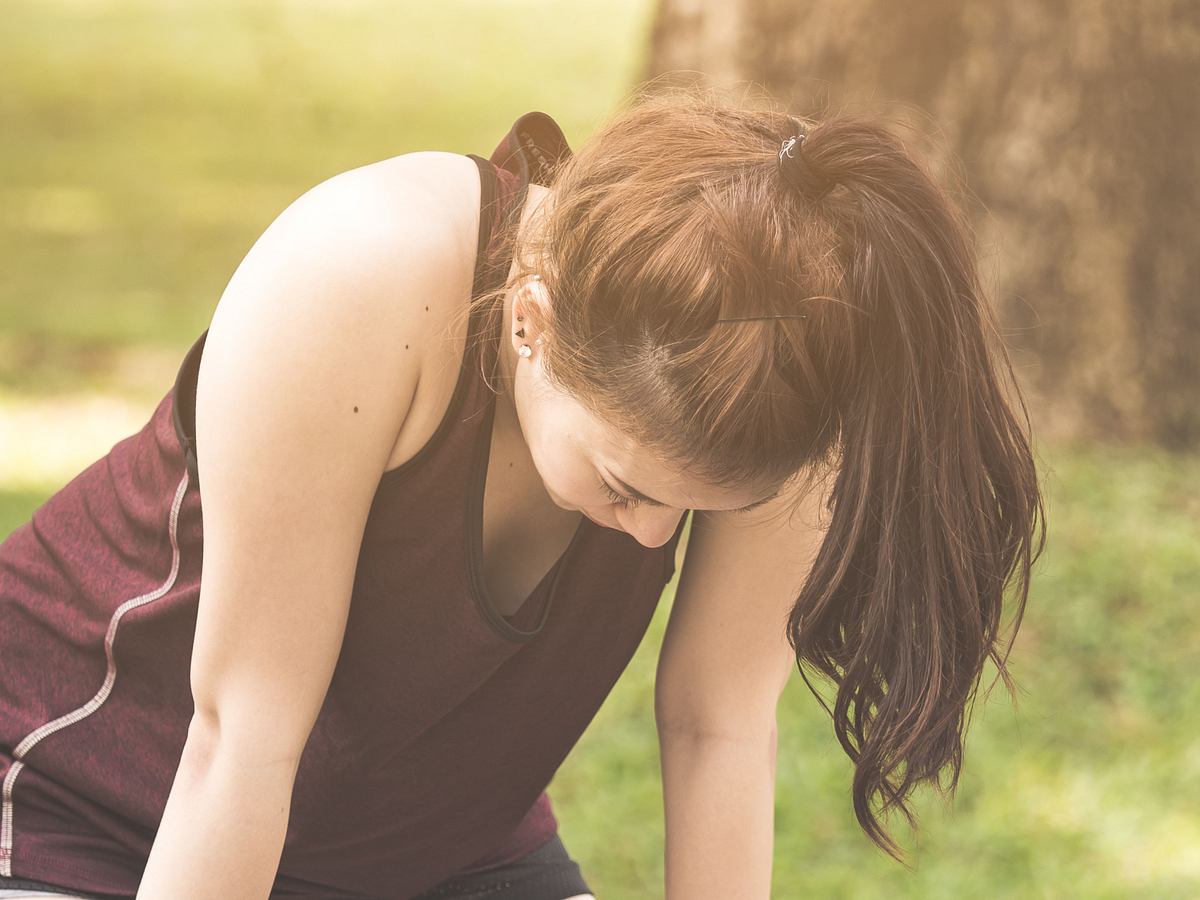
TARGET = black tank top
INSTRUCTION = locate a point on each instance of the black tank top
(445, 720)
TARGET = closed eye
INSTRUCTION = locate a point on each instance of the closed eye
(620, 499)
(630, 502)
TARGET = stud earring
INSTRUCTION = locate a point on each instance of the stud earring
(525, 351)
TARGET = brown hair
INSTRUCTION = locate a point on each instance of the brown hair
(676, 214)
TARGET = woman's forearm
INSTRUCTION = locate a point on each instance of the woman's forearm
(223, 828)
(719, 798)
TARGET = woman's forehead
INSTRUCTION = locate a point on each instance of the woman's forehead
(643, 472)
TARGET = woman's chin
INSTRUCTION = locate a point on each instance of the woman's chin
(614, 526)
(560, 502)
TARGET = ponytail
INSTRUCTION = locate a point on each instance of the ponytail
(776, 304)
(936, 507)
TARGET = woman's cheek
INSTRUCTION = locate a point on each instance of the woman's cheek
(563, 481)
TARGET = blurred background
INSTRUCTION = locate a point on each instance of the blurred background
(145, 145)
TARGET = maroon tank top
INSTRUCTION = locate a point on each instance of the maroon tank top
(445, 720)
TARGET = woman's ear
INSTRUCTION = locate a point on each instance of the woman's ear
(531, 314)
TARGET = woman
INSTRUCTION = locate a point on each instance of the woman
(447, 423)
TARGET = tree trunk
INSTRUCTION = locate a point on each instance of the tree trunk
(1075, 125)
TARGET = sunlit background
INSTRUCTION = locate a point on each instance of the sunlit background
(145, 146)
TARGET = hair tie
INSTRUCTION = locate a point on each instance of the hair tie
(786, 146)
(796, 171)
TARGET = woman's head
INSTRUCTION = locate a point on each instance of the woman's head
(640, 250)
(867, 350)
(584, 461)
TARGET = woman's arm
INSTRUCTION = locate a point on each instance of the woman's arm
(302, 389)
(725, 661)
(719, 800)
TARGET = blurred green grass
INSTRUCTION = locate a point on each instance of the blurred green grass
(1088, 788)
(147, 145)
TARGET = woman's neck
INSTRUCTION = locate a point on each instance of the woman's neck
(531, 219)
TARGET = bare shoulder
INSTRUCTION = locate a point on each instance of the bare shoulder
(442, 187)
(413, 216)
(389, 237)
(373, 262)
(425, 207)
(444, 191)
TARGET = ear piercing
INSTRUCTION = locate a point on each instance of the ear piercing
(525, 351)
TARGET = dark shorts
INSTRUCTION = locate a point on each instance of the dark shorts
(548, 873)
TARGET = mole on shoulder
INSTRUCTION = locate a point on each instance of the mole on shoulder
(356, 409)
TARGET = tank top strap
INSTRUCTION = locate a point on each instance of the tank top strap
(501, 199)
(528, 153)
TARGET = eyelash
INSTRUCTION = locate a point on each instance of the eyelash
(630, 502)
(620, 499)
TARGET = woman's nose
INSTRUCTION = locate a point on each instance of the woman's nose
(652, 526)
